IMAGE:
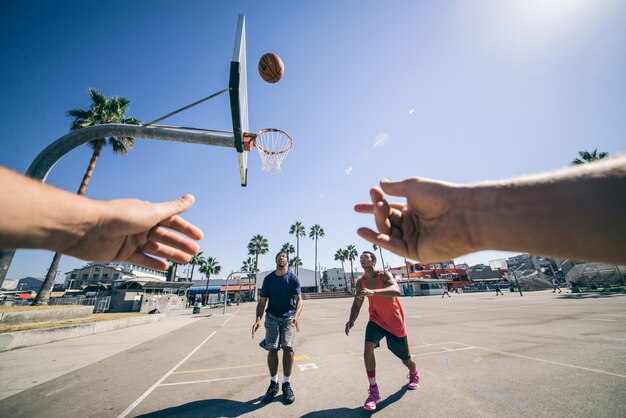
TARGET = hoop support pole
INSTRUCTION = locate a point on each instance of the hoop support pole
(47, 158)
(188, 106)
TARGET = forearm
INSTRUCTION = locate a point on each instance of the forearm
(354, 313)
(298, 308)
(260, 307)
(387, 291)
(574, 213)
(34, 215)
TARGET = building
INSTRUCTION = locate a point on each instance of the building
(106, 273)
(339, 280)
(429, 279)
(26, 284)
(306, 276)
(481, 273)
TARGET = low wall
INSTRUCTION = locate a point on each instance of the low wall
(45, 315)
(19, 339)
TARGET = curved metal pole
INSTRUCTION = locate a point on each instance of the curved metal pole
(226, 290)
(43, 163)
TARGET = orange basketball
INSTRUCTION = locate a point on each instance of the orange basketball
(271, 68)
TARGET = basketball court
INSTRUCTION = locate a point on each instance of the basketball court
(478, 355)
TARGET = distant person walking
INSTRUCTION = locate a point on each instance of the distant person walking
(386, 321)
(555, 285)
(498, 289)
(445, 291)
(282, 288)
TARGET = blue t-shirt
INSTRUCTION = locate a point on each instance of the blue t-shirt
(281, 291)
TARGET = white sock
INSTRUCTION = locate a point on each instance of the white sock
(274, 378)
(286, 379)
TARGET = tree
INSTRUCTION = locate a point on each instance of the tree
(376, 247)
(325, 280)
(248, 265)
(315, 233)
(208, 266)
(298, 230)
(587, 157)
(288, 248)
(101, 111)
(351, 254)
(340, 255)
(257, 245)
(295, 262)
(195, 260)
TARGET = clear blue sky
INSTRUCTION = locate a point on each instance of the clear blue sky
(462, 91)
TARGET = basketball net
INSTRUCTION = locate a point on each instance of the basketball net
(273, 146)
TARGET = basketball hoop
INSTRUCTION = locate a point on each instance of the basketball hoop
(273, 146)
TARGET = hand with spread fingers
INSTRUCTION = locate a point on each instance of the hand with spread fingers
(137, 232)
(142, 233)
(428, 227)
(575, 212)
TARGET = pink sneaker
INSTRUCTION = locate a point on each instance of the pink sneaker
(373, 399)
(414, 380)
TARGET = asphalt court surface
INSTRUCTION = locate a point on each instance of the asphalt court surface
(542, 354)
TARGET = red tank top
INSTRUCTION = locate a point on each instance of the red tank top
(386, 311)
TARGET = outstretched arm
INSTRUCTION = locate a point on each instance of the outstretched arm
(356, 307)
(35, 215)
(576, 212)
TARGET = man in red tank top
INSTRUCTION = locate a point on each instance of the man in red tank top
(386, 321)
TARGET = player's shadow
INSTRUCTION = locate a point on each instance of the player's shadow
(359, 411)
(209, 408)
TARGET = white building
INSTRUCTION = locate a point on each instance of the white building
(306, 276)
(109, 272)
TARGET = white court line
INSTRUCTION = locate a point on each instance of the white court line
(165, 376)
(232, 316)
(553, 362)
(459, 349)
(213, 380)
(446, 350)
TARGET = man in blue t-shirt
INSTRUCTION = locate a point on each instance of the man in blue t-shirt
(282, 288)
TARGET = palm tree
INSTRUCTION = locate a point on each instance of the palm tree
(257, 245)
(351, 254)
(587, 157)
(101, 111)
(195, 260)
(340, 255)
(324, 280)
(376, 247)
(298, 230)
(248, 264)
(295, 262)
(288, 248)
(208, 266)
(315, 233)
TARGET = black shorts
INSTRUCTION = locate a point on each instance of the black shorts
(397, 345)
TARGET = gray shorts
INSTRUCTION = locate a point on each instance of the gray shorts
(279, 332)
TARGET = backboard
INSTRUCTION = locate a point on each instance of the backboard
(238, 85)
